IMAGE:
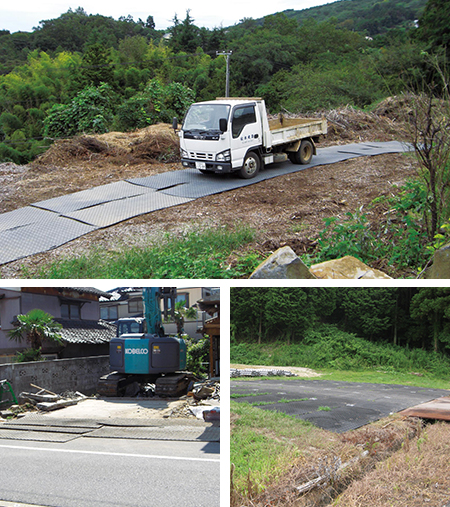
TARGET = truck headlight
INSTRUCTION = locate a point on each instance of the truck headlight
(183, 153)
(224, 156)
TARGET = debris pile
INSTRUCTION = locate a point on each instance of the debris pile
(156, 143)
(260, 372)
(201, 402)
(47, 400)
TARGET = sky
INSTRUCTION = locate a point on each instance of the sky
(24, 15)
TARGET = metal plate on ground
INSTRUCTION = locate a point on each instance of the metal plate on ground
(334, 406)
(39, 236)
(114, 212)
(45, 429)
(181, 433)
(23, 217)
(37, 436)
(92, 197)
(164, 181)
(435, 409)
(50, 420)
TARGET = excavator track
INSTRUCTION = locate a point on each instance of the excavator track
(173, 384)
(113, 384)
(170, 385)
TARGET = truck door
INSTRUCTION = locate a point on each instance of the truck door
(245, 133)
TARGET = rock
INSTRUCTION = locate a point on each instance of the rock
(441, 264)
(283, 264)
(347, 267)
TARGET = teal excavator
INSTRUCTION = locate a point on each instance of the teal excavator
(142, 353)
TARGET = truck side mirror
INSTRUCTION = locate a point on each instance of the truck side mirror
(223, 124)
(175, 123)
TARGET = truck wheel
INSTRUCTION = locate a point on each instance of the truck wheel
(251, 166)
(304, 153)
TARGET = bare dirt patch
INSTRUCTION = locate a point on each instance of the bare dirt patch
(288, 210)
(301, 372)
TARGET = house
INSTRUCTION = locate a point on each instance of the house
(127, 302)
(211, 327)
(76, 308)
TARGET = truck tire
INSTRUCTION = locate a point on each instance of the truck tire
(304, 153)
(251, 166)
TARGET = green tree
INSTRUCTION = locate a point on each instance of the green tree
(369, 311)
(36, 326)
(97, 66)
(181, 313)
(248, 314)
(185, 35)
(433, 304)
(288, 312)
(434, 26)
(90, 111)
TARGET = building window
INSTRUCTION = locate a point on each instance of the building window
(109, 312)
(135, 306)
(184, 298)
(70, 311)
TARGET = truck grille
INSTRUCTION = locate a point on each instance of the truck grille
(200, 156)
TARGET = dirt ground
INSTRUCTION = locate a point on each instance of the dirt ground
(301, 372)
(288, 210)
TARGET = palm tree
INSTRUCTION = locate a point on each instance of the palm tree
(36, 326)
(181, 313)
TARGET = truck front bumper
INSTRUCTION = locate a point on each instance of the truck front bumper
(214, 167)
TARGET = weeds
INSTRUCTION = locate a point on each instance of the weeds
(196, 254)
(401, 238)
(326, 347)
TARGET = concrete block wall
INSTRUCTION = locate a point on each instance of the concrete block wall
(58, 375)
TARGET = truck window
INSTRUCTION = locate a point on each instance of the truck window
(242, 116)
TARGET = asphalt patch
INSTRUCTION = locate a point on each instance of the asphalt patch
(331, 405)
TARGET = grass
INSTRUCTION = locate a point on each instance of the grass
(369, 376)
(195, 254)
(386, 377)
(264, 442)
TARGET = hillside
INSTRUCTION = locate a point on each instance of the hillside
(370, 16)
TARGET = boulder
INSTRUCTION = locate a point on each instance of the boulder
(284, 264)
(347, 267)
(441, 264)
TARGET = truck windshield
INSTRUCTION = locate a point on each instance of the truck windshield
(205, 117)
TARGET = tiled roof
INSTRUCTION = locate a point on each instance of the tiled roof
(87, 331)
(120, 293)
(90, 290)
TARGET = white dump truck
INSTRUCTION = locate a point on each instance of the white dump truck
(234, 134)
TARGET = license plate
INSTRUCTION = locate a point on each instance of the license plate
(200, 165)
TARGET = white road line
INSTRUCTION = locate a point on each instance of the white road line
(111, 454)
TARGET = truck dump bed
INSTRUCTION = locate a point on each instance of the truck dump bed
(290, 130)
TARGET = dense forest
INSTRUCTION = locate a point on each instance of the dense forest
(406, 317)
(84, 73)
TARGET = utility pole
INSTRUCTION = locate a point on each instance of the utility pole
(227, 85)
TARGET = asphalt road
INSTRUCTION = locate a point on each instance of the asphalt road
(97, 472)
(332, 405)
